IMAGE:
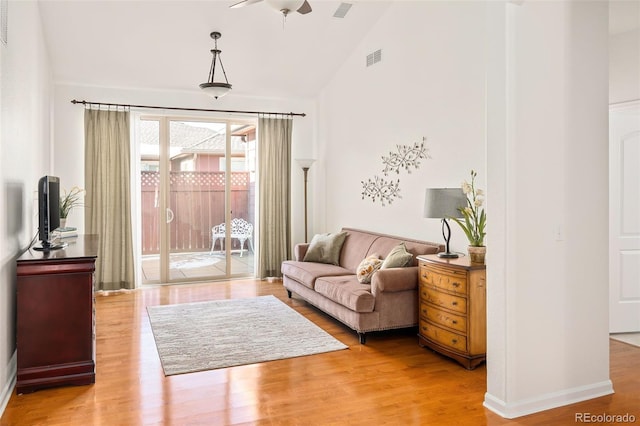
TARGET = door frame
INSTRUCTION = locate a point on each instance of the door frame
(618, 319)
(164, 122)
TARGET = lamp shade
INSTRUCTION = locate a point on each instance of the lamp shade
(305, 163)
(444, 202)
(216, 90)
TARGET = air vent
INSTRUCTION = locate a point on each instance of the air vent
(342, 10)
(374, 58)
(4, 10)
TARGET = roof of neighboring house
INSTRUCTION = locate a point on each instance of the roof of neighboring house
(193, 138)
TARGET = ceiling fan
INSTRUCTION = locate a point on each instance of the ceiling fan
(283, 6)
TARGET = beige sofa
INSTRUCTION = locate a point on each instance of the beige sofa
(388, 302)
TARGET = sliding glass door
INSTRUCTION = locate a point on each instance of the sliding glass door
(197, 199)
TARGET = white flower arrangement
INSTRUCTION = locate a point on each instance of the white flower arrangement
(474, 215)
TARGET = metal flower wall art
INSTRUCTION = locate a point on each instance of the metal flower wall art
(381, 189)
(406, 158)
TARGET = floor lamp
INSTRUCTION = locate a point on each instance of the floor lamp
(444, 203)
(305, 163)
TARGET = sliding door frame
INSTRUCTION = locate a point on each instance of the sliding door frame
(164, 122)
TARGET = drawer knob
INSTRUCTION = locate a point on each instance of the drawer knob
(454, 303)
(454, 341)
(454, 321)
(455, 284)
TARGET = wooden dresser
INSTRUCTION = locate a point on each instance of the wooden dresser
(55, 316)
(452, 308)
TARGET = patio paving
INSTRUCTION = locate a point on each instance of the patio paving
(197, 265)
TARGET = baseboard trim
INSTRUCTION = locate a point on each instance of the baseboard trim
(7, 390)
(548, 401)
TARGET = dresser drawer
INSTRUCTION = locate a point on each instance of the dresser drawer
(450, 280)
(448, 301)
(447, 319)
(443, 337)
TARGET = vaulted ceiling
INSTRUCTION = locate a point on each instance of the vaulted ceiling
(166, 44)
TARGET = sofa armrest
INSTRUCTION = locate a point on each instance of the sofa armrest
(300, 250)
(394, 279)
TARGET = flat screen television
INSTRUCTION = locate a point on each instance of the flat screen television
(48, 212)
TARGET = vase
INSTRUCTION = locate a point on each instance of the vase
(63, 222)
(477, 253)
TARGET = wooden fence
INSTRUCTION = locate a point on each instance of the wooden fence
(197, 202)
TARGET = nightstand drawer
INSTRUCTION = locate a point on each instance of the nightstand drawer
(444, 318)
(448, 301)
(450, 281)
(443, 337)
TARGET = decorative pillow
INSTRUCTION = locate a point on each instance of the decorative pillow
(397, 257)
(325, 248)
(367, 268)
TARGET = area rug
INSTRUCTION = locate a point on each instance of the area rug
(202, 336)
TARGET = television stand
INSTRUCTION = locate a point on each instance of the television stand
(55, 328)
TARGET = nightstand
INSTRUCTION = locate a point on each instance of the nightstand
(452, 308)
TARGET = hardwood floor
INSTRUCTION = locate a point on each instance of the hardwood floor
(390, 380)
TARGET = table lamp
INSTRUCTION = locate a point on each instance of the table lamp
(444, 203)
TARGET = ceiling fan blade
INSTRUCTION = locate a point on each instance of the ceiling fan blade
(243, 3)
(305, 8)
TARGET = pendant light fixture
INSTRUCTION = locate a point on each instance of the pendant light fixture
(211, 87)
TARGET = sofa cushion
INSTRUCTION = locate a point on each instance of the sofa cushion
(307, 272)
(356, 247)
(367, 268)
(325, 248)
(398, 257)
(347, 291)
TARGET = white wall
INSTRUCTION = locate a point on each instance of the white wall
(25, 102)
(548, 288)
(533, 122)
(624, 66)
(430, 83)
(69, 130)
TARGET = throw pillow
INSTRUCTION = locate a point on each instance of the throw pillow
(325, 248)
(397, 257)
(367, 268)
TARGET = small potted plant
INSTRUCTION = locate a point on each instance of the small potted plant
(475, 220)
(69, 200)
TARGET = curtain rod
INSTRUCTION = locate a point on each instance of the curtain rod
(83, 102)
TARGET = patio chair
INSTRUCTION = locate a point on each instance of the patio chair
(240, 230)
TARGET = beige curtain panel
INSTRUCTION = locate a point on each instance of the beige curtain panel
(108, 197)
(274, 165)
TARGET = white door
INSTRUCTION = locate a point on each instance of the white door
(624, 217)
